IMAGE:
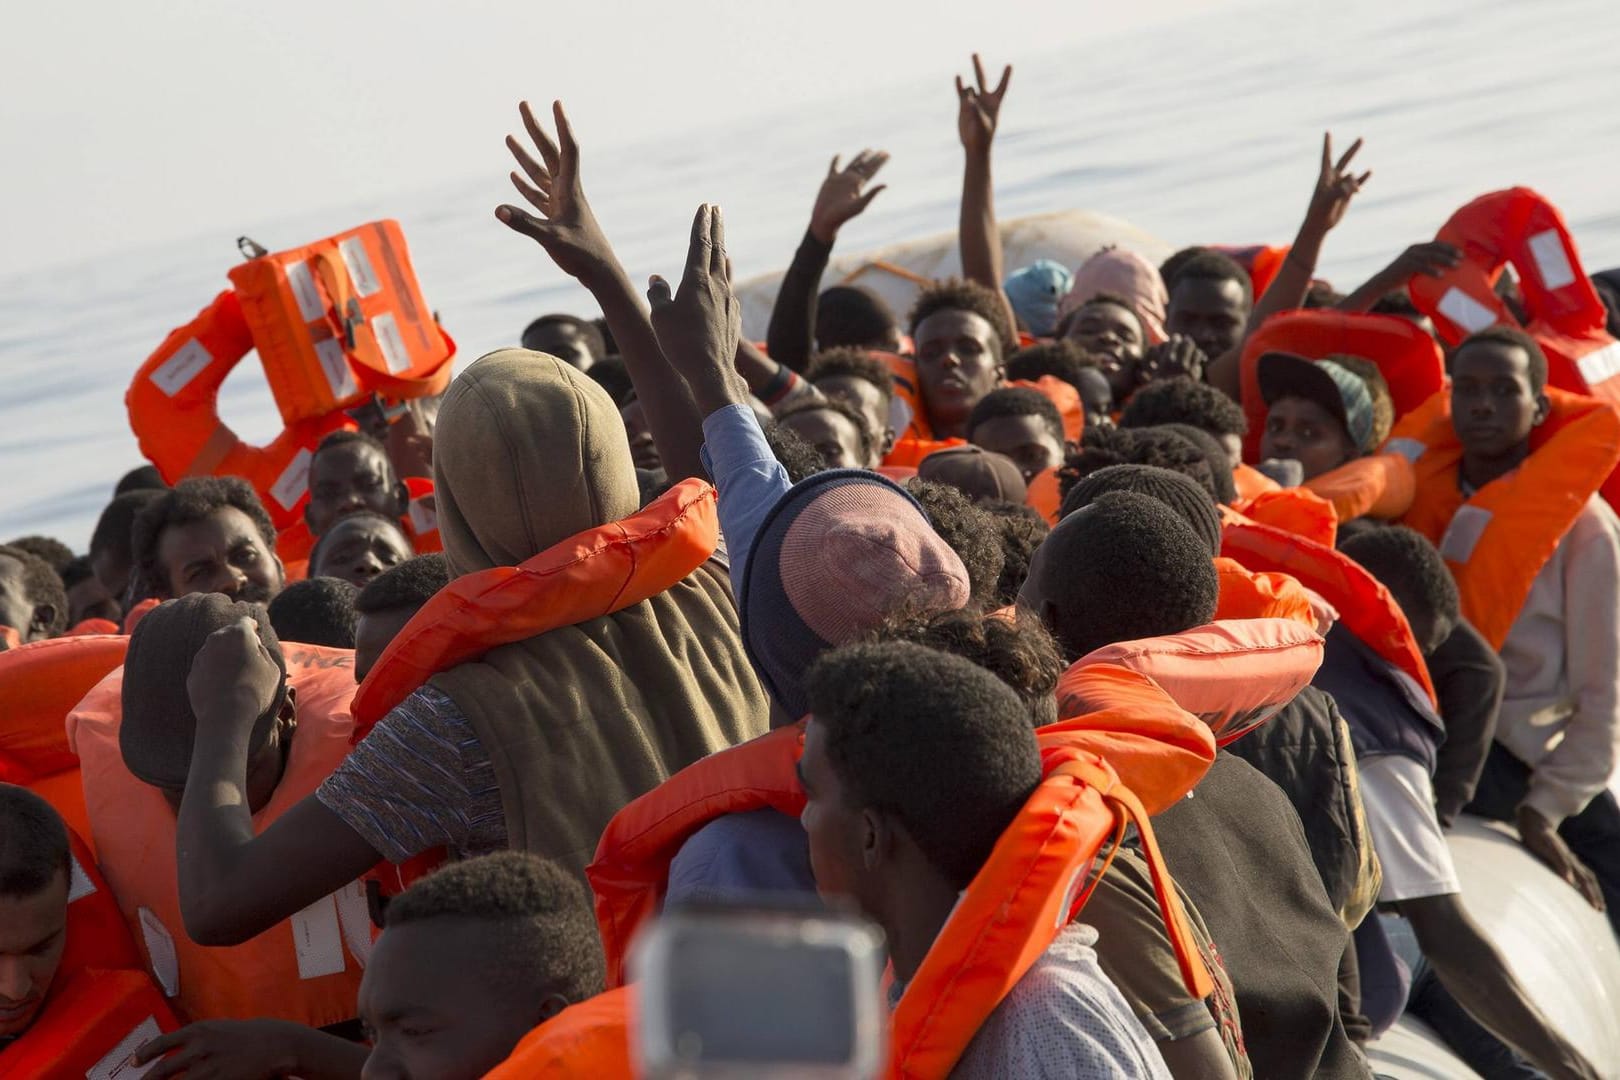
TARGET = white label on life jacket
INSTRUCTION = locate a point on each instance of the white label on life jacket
(1601, 365)
(1410, 449)
(175, 373)
(302, 282)
(293, 481)
(79, 883)
(318, 940)
(354, 914)
(423, 518)
(1552, 261)
(335, 366)
(160, 952)
(395, 355)
(1465, 311)
(116, 1065)
(355, 258)
(1463, 534)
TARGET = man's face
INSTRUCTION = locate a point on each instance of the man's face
(1493, 405)
(112, 570)
(221, 553)
(833, 435)
(1096, 397)
(89, 600)
(643, 451)
(17, 609)
(866, 399)
(373, 633)
(1211, 311)
(1113, 335)
(33, 932)
(347, 478)
(430, 1008)
(562, 340)
(840, 836)
(1026, 439)
(958, 362)
(357, 549)
(1307, 433)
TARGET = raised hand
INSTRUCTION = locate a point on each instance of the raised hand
(232, 680)
(1335, 186)
(565, 226)
(1168, 359)
(841, 196)
(698, 326)
(979, 108)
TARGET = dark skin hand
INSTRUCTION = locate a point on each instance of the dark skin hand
(234, 884)
(1540, 837)
(565, 227)
(251, 1050)
(843, 194)
(1430, 259)
(978, 114)
(1175, 356)
(699, 324)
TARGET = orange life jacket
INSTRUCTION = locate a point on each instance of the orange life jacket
(1260, 260)
(134, 615)
(908, 452)
(90, 1025)
(1521, 227)
(1497, 541)
(589, 1039)
(1251, 594)
(1364, 605)
(1297, 510)
(39, 685)
(91, 627)
(1409, 360)
(97, 936)
(907, 387)
(589, 575)
(1381, 485)
(1045, 495)
(334, 323)
(1066, 399)
(1250, 482)
(306, 968)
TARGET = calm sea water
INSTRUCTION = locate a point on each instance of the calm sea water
(1206, 131)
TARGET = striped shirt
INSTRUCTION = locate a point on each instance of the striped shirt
(419, 780)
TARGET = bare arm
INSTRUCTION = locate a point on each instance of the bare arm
(568, 231)
(243, 1048)
(1432, 259)
(979, 110)
(1335, 187)
(1199, 1057)
(1478, 977)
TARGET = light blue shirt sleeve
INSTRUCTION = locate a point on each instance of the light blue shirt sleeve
(748, 477)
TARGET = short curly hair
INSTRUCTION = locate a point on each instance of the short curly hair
(408, 585)
(868, 438)
(115, 528)
(42, 586)
(967, 530)
(188, 501)
(796, 456)
(1510, 335)
(1414, 572)
(955, 294)
(849, 362)
(1210, 265)
(316, 611)
(542, 936)
(1059, 359)
(932, 739)
(1102, 447)
(1220, 462)
(1022, 530)
(1018, 651)
(55, 554)
(851, 315)
(33, 843)
(1018, 401)
(1184, 400)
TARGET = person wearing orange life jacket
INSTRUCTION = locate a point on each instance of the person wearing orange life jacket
(1508, 471)
(389, 602)
(963, 340)
(1022, 424)
(837, 431)
(72, 999)
(860, 379)
(206, 534)
(32, 600)
(358, 547)
(135, 733)
(87, 598)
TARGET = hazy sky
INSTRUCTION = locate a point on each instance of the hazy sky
(126, 123)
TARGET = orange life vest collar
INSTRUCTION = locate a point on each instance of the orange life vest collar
(90, 1025)
(1497, 540)
(589, 575)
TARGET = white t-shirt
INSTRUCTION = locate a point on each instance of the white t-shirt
(1398, 795)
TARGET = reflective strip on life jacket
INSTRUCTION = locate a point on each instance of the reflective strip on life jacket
(1497, 541)
(589, 575)
(91, 1023)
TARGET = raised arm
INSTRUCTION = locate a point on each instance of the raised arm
(791, 336)
(1431, 259)
(568, 231)
(1335, 187)
(978, 112)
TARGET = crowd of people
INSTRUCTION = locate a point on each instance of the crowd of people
(1121, 640)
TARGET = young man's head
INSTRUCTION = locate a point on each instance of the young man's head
(1022, 529)
(848, 315)
(1108, 328)
(317, 611)
(1220, 465)
(1019, 652)
(857, 378)
(1322, 413)
(1176, 490)
(1413, 571)
(1022, 424)
(1498, 394)
(112, 551)
(612, 376)
(141, 478)
(358, 547)
(1186, 401)
(87, 598)
(1124, 567)
(1064, 360)
(351, 472)
(50, 550)
(963, 339)
(1210, 299)
(472, 958)
(387, 603)
(35, 870)
(837, 430)
(1156, 446)
(158, 726)
(32, 600)
(208, 534)
(915, 762)
(968, 531)
(576, 342)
